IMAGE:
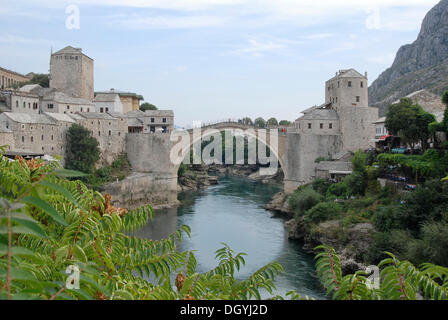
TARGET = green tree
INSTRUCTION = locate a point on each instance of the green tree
(147, 106)
(304, 199)
(41, 79)
(248, 121)
(272, 122)
(410, 121)
(260, 122)
(285, 123)
(82, 150)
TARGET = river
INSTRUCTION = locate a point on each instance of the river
(232, 213)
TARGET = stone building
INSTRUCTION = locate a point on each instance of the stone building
(129, 100)
(344, 123)
(108, 102)
(59, 102)
(7, 139)
(71, 72)
(10, 78)
(21, 102)
(334, 170)
(33, 132)
(108, 130)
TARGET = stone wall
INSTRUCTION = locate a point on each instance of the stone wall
(7, 139)
(140, 189)
(302, 152)
(357, 127)
(72, 73)
(111, 136)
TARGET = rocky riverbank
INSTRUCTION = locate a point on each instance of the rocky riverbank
(352, 242)
(195, 177)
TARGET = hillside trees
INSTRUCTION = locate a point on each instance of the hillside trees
(409, 121)
(147, 106)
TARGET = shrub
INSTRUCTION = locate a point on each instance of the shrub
(388, 218)
(322, 212)
(321, 186)
(435, 243)
(103, 173)
(304, 199)
(359, 161)
(356, 184)
(427, 203)
(396, 241)
(339, 190)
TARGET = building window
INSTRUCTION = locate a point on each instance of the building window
(88, 109)
(81, 109)
(17, 104)
(330, 126)
(51, 137)
(321, 125)
(99, 133)
(42, 137)
(24, 104)
(164, 129)
(101, 110)
(152, 120)
(29, 105)
(358, 98)
(110, 133)
(309, 125)
(339, 84)
(119, 133)
(107, 109)
(349, 83)
(32, 139)
(152, 129)
(68, 107)
(23, 139)
(164, 120)
(362, 84)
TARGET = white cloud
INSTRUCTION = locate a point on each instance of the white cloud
(257, 48)
(318, 36)
(383, 59)
(166, 22)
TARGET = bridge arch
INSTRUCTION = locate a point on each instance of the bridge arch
(278, 151)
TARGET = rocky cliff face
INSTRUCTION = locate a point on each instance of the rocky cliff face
(420, 65)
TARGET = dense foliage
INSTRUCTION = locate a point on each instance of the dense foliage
(147, 106)
(396, 280)
(50, 225)
(41, 79)
(82, 150)
(410, 121)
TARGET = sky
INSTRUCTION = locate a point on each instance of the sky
(214, 59)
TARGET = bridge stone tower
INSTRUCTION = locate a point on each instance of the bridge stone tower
(71, 72)
(343, 123)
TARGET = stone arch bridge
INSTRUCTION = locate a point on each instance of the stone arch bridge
(156, 157)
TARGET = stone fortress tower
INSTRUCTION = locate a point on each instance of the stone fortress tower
(71, 72)
(347, 93)
(344, 123)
